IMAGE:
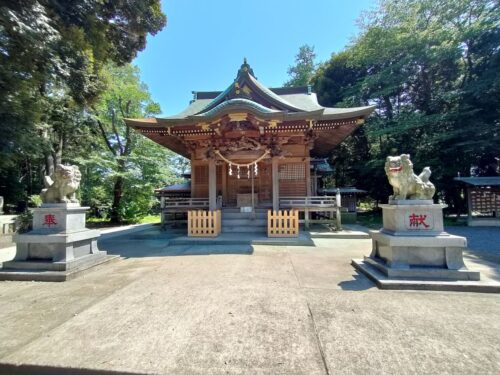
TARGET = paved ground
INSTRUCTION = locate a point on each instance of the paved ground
(484, 241)
(263, 310)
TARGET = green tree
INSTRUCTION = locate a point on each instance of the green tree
(51, 54)
(303, 70)
(431, 69)
(132, 164)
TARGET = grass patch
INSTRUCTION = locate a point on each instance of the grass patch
(370, 219)
(150, 219)
(96, 222)
(454, 222)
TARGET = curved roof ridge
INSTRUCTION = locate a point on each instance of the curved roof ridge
(235, 101)
(271, 94)
(245, 73)
(214, 103)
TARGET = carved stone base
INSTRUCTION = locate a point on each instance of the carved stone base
(433, 257)
(412, 245)
(58, 246)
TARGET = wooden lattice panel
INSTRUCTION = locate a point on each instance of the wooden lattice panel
(292, 179)
(485, 200)
(265, 180)
(200, 181)
(292, 171)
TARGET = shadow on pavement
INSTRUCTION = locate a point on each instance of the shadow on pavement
(52, 370)
(359, 283)
(156, 243)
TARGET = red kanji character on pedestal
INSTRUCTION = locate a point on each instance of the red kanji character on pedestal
(417, 220)
(49, 220)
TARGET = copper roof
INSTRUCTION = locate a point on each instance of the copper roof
(246, 94)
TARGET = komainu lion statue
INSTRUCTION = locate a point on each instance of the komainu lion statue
(62, 185)
(405, 183)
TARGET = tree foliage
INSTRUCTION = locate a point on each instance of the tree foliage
(134, 164)
(431, 68)
(303, 70)
(52, 55)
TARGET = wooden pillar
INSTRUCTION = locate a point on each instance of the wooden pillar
(212, 185)
(338, 204)
(307, 163)
(162, 212)
(276, 182)
(469, 205)
(224, 183)
(306, 218)
(193, 176)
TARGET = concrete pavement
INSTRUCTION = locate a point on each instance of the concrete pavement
(263, 310)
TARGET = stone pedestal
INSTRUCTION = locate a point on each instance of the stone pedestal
(412, 245)
(59, 246)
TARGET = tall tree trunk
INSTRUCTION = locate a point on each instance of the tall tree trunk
(49, 164)
(117, 193)
(117, 196)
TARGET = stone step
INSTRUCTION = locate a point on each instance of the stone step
(33, 274)
(244, 215)
(238, 239)
(244, 222)
(210, 249)
(234, 239)
(237, 210)
(244, 228)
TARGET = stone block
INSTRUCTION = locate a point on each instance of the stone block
(412, 245)
(60, 217)
(59, 242)
(412, 219)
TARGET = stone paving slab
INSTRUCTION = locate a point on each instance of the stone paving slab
(190, 320)
(275, 310)
(407, 332)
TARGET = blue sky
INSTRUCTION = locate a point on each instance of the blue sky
(204, 42)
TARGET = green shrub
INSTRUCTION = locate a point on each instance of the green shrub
(24, 222)
(34, 201)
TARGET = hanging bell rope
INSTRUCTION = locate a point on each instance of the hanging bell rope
(246, 165)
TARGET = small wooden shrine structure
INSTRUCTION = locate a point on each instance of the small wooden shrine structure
(251, 146)
(483, 200)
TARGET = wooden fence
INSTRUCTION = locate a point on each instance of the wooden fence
(204, 223)
(283, 223)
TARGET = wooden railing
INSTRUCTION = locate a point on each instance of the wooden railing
(283, 223)
(183, 203)
(309, 202)
(329, 205)
(204, 223)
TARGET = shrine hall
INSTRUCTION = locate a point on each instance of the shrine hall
(251, 146)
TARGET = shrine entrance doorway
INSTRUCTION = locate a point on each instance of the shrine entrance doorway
(238, 191)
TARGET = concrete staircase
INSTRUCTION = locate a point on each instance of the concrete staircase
(234, 221)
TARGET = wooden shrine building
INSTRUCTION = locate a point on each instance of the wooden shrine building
(251, 146)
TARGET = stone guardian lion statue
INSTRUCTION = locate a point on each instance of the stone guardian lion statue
(62, 185)
(405, 183)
